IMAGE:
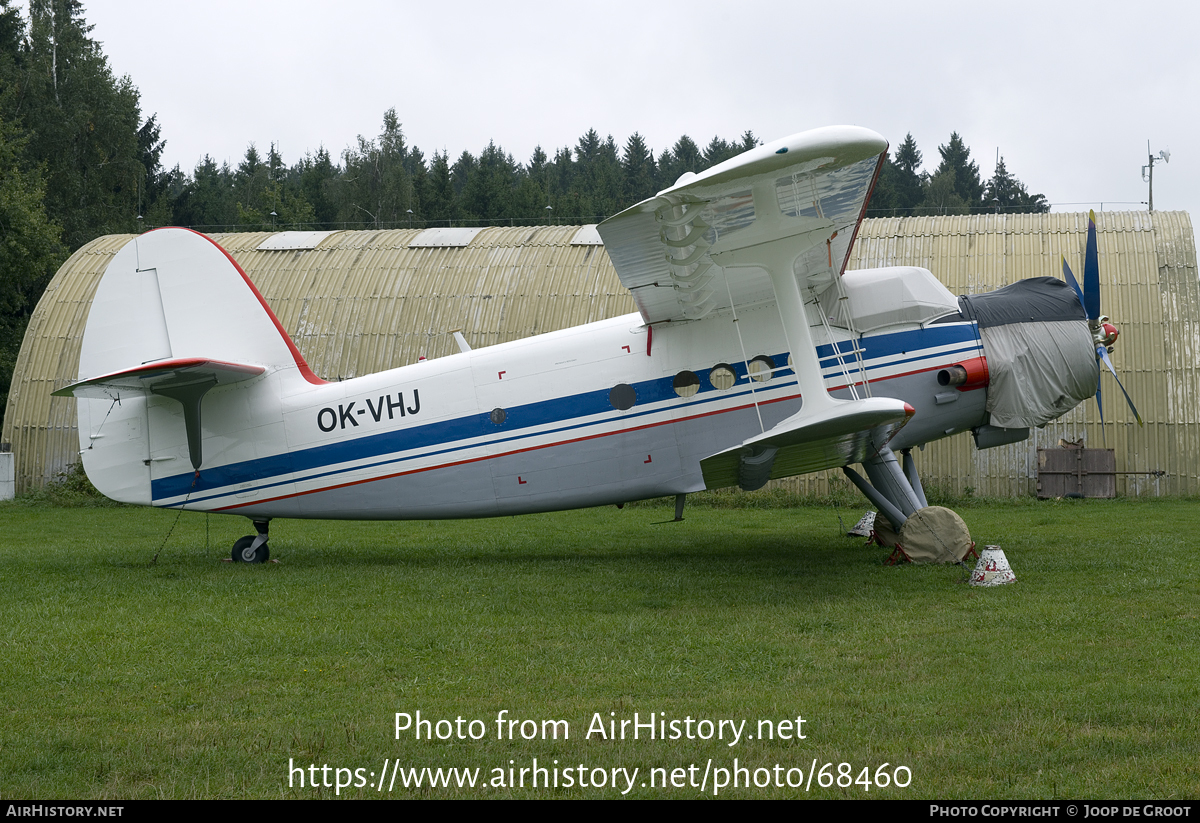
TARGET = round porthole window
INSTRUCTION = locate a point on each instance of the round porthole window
(622, 396)
(722, 376)
(498, 416)
(760, 368)
(686, 383)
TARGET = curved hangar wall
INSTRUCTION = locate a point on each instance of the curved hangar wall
(364, 301)
(355, 302)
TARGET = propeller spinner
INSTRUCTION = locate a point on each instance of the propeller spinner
(1104, 333)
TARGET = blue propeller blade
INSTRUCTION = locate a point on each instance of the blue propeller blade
(1102, 353)
(1089, 296)
(1069, 276)
(1091, 272)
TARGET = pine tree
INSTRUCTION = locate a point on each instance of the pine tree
(376, 186)
(532, 195)
(561, 176)
(250, 186)
(83, 125)
(1008, 195)
(883, 202)
(30, 251)
(154, 199)
(601, 182)
(683, 157)
(207, 202)
(718, 151)
(967, 186)
(317, 178)
(487, 192)
(640, 173)
(12, 35)
(596, 180)
(908, 175)
(441, 205)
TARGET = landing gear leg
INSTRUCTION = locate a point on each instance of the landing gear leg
(914, 479)
(253, 548)
(925, 533)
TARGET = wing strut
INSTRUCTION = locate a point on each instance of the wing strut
(778, 257)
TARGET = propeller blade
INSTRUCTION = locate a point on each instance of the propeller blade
(1069, 276)
(1091, 272)
(1102, 353)
(1100, 406)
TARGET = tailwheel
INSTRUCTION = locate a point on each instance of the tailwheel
(245, 550)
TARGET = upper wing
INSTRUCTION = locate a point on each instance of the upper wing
(810, 188)
(773, 225)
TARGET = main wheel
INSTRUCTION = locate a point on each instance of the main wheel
(243, 553)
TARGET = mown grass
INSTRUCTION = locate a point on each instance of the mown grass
(197, 678)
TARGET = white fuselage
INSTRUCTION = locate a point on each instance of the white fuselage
(531, 425)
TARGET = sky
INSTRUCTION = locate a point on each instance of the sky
(1067, 92)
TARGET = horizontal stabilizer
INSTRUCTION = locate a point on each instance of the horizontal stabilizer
(848, 432)
(161, 374)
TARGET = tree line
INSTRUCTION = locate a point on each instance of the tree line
(383, 182)
(79, 159)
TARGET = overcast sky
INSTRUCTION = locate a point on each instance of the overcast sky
(1068, 92)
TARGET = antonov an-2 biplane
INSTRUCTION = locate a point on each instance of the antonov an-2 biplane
(754, 355)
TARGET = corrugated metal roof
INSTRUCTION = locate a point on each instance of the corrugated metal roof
(365, 301)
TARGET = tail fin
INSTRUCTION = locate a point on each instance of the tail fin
(172, 294)
(173, 317)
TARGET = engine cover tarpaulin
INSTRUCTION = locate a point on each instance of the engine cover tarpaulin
(1040, 355)
(1039, 370)
(1026, 301)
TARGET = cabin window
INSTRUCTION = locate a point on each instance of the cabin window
(686, 383)
(722, 376)
(760, 368)
(622, 396)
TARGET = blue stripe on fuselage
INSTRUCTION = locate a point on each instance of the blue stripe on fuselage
(556, 410)
(887, 345)
(901, 342)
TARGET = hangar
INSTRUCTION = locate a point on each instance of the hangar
(357, 302)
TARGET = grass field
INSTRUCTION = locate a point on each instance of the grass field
(197, 678)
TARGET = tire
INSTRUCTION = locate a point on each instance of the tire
(243, 554)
